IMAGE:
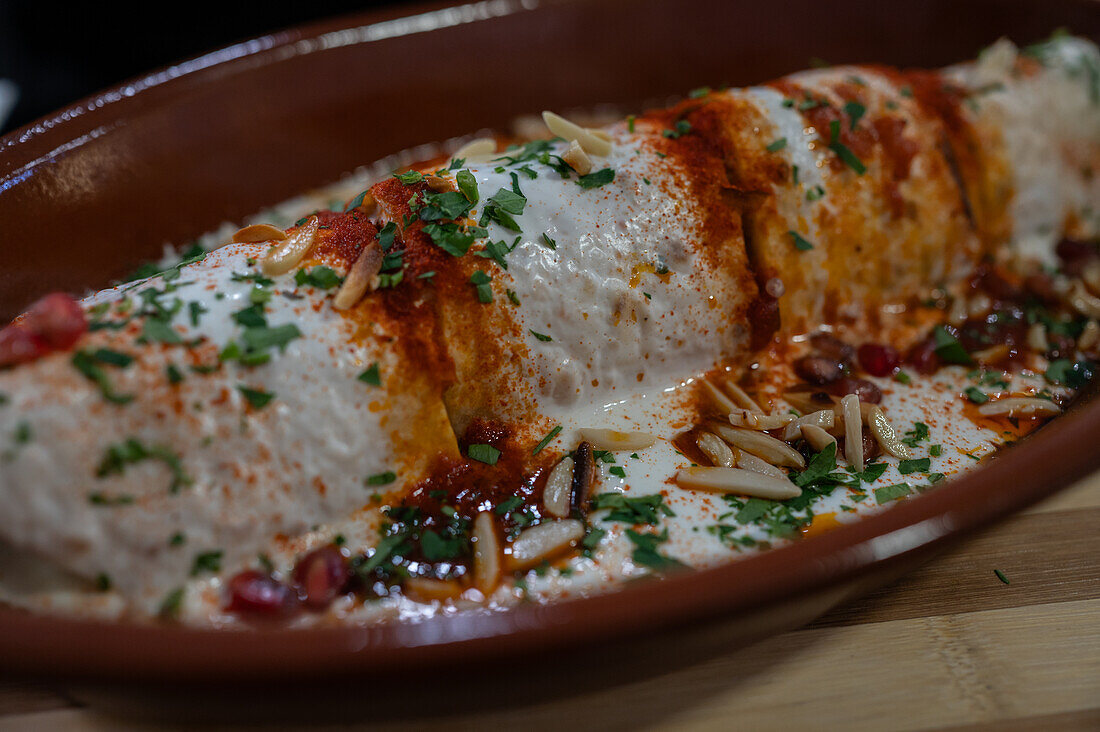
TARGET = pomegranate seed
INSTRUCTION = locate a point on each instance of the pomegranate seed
(19, 345)
(924, 358)
(864, 389)
(321, 576)
(252, 591)
(878, 360)
(58, 319)
(1075, 255)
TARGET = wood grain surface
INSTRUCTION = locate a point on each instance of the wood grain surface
(949, 647)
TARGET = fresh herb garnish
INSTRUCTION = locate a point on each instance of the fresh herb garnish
(546, 440)
(371, 375)
(483, 454)
(800, 243)
(256, 398)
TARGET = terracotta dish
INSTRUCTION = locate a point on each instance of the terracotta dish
(92, 191)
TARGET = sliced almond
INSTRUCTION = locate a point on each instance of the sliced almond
(1083, 301)
(614, 440)
(823, 418)
(602, 134)
(736, 480)
(805, 401)
(477, 148)
(724, 403)
(762, 445)
(577, 158)
(1090, 336)
(426, 588)
(817, 438)
(748, 461)
(1037, 337)
(257, 233)
(285, 256)
(1020, 406)
(853, 431)
(557, 495)
(486, 547)
(567, 130)
(740, 396)
(360, 276)
(992, 354)
(544, 541)
(885, 434)
(755, 421)
(718, 452)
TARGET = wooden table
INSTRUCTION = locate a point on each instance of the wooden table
(948, 647)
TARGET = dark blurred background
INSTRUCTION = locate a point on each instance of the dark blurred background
(52, 54)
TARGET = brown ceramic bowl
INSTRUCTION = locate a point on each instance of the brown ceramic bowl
(91, 191)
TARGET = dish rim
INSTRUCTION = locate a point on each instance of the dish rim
(1042, 463)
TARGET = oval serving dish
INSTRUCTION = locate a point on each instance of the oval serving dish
(100, 186)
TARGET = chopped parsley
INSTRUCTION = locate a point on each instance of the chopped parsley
(207, 562)
(467, 185)
(256, 398)
(1001, 576)
(540, 336)
(976, 395)
(546, 440)
(132, 450)
(371, 375)
(409, 177)
(597, 179)
(892, 492)
(645, 550)
(855, 112)
(632, 510)
(483, 285)
(321, 277)
(483, 454)
(381, 478)
(681, 128)
(800, 243)
(87, 364)
(842, 151)
(777, 145)
(918, 465)
(948, 347)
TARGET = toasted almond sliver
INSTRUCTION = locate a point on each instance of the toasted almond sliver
(602, 134)
(755, 421)
(486, 553)
(426, 588)
(1083, 301)
(544, 541)
(741, 397)
(1037, 337)
(577, 158)
(724, 403)
(478, 148)
(359, 277)
(886, 435)
(614, 440)
(285, 256)
(1020, 406)
(257, 233)
(558, 490)
(991, 354)
(1090, 336)
(804, 402)
(853, 431)
(439, 184)
(823, 418)
(736, 480)
(718, 452)
(567, 130)
(762, 445)
(748, 461)
(818, 438)
(839, 428)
